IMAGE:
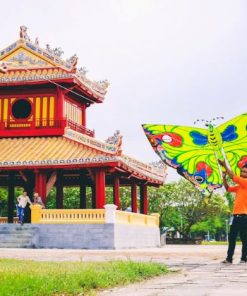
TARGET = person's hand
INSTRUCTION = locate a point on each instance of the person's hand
(222, 162)
(224, 175)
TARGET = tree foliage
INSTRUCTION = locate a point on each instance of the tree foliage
(182, 206)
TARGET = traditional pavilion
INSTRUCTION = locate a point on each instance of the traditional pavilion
(44, 137)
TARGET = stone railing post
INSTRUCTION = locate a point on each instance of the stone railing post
(157, 216)
(35, 213)
(110, 213)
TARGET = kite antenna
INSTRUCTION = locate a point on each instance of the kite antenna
(216, 118)
(208, 121)
(198, 120)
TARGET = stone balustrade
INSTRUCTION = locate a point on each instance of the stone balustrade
(91, 216)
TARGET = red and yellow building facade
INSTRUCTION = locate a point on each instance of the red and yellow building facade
(44, 138)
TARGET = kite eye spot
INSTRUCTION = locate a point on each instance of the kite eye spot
(199, 179)
(167, 138)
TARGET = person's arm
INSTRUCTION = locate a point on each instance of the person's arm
(240, 181)
(228, 170)
(28, 200)
(41, 202)
(225, 181)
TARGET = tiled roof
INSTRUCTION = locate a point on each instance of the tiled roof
(47, 151)
(62, 151)
(29, 62)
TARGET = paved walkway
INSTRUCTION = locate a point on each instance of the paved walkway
(200, 271)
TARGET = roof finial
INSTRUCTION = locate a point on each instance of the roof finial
(23, 33)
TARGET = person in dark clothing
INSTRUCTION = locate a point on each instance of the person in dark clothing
(239, 214)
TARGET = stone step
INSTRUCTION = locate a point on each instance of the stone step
(17, 230)
(17, 241)
(17, 236)
(23, 234)
(17, 245)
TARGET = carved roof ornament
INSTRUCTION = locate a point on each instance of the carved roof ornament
(104, 84)
(23, 33)
(36, 42)
(116, 140)
(4, 67)
(82, 72)
(57, 51)
(158, 164)
(52, 57)
(73, 62)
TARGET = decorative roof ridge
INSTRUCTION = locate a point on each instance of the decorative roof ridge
(159, 171)
(141, 167)
(50, 56)
(53, 56)
(91, 142)
(48, 68)
(33, 75)
(98, 86)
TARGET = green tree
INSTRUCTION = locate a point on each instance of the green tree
(3, 201)
(181, 206)
(71, 199)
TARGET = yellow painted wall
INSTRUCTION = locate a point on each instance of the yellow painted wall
(43, 109)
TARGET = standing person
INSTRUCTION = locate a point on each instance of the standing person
(37, 200)
(239, 222)
(22, 200)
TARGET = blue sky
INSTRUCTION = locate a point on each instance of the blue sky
(168, 62)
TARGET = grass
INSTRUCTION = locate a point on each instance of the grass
(205, 243)
(31, 278)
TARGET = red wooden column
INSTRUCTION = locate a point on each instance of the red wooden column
(116, 192)
(60, 103)
(134, 197)
(40, 184)
(144, 199)
(59, 189)
(100, 187)
(83, 118)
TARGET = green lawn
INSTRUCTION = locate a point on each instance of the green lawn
(31, 278)
(217, 243)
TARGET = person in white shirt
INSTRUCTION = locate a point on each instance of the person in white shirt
(22, 200)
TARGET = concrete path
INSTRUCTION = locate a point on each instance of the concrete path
(209, 279)
(199, 271)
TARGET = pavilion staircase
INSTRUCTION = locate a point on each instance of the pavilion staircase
(17, 236)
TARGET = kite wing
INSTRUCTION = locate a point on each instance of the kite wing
(234, 136)
(187, 150)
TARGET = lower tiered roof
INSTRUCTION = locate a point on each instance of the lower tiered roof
(72, 150)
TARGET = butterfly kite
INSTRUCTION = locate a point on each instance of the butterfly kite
(194, 152)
